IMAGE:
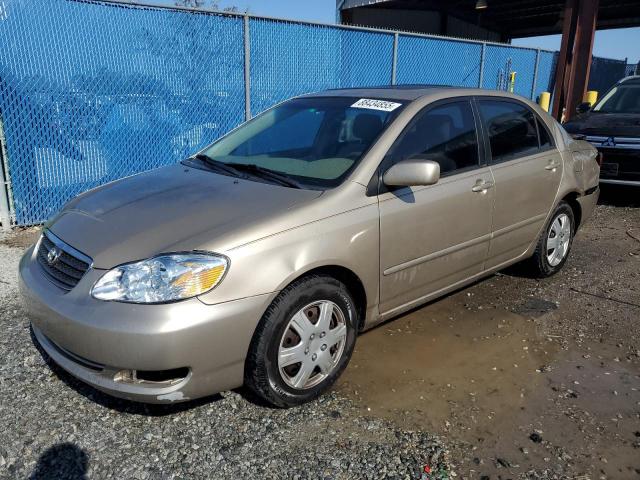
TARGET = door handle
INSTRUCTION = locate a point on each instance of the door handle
(552, 166)
(482, 186)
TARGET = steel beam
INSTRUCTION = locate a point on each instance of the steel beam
(481, 74)
(535, 76)
(394, 60)
(247, 69)
(564, 57)
(5, 213)
(574, 61)
(582, 50)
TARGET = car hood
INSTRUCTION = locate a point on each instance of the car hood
(606, 124)
(175, 208)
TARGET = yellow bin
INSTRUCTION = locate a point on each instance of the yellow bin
(591, 97)
(543, 100)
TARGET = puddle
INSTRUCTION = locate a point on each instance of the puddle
(485, 379)
(535, 307)
(421, 368)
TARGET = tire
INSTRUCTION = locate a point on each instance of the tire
(287, 333)
(549, 256)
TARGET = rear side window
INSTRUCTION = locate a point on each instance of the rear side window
(445, 134)
(511, 128)
(543, 133)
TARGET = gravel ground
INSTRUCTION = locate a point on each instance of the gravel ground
(52, 426)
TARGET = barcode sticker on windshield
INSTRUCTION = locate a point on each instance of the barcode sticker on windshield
(376, 104)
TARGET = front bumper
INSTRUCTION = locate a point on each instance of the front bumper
(611, 181)
(94, 340)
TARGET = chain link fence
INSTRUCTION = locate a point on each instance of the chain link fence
(632, 69)
(288, 59)
(604, 73)
(95, 91)
(435, 61)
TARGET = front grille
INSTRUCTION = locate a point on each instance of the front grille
(70, 265)
(619, 143)
(620, 164)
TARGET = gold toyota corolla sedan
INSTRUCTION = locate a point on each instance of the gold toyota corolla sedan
(259, 260)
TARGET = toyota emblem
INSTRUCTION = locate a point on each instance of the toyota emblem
(53, 255)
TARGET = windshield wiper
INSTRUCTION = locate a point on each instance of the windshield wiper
(241, 170)
(218, 165)
(267, 173)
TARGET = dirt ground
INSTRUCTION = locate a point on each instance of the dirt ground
(521, 378)
(524, 377)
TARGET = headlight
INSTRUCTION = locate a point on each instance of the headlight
(164, 278)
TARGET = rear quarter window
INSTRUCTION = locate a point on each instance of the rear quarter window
(545, 136)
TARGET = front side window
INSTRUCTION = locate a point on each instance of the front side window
(314, 141)
(511, 128)
(624, 98)
(445, 134)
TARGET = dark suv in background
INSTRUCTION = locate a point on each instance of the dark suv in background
(613, 127)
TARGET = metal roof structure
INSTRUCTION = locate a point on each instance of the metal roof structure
(507, 18)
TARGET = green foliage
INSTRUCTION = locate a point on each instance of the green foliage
(209, 5)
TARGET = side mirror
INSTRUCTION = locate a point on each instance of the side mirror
(413, 172)
(584, 107)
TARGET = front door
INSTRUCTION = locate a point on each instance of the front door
(527, 169)
(436, 236)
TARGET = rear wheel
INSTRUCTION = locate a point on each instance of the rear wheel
(303, 342)
(554, 243)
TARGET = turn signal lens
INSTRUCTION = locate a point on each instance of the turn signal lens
(193, 283)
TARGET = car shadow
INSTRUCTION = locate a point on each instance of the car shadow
(519, 270)
(619, 196)
(64, 460)
(118, 404)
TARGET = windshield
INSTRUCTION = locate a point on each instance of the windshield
(620, 99)
(314, 141)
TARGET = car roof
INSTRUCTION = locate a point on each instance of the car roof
(633, 80)
(391, 92)
(408, 92)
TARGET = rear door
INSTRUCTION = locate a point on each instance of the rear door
(527, 169)
(435, 236)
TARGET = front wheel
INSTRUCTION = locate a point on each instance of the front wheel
(554, 243)
(303, 342)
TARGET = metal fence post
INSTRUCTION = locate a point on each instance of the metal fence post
(535, 75)
(394, 64)
(481, 76)
(5, 213)
(247, 70)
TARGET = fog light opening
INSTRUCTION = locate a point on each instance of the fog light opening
(125, 376)
(164, 377)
